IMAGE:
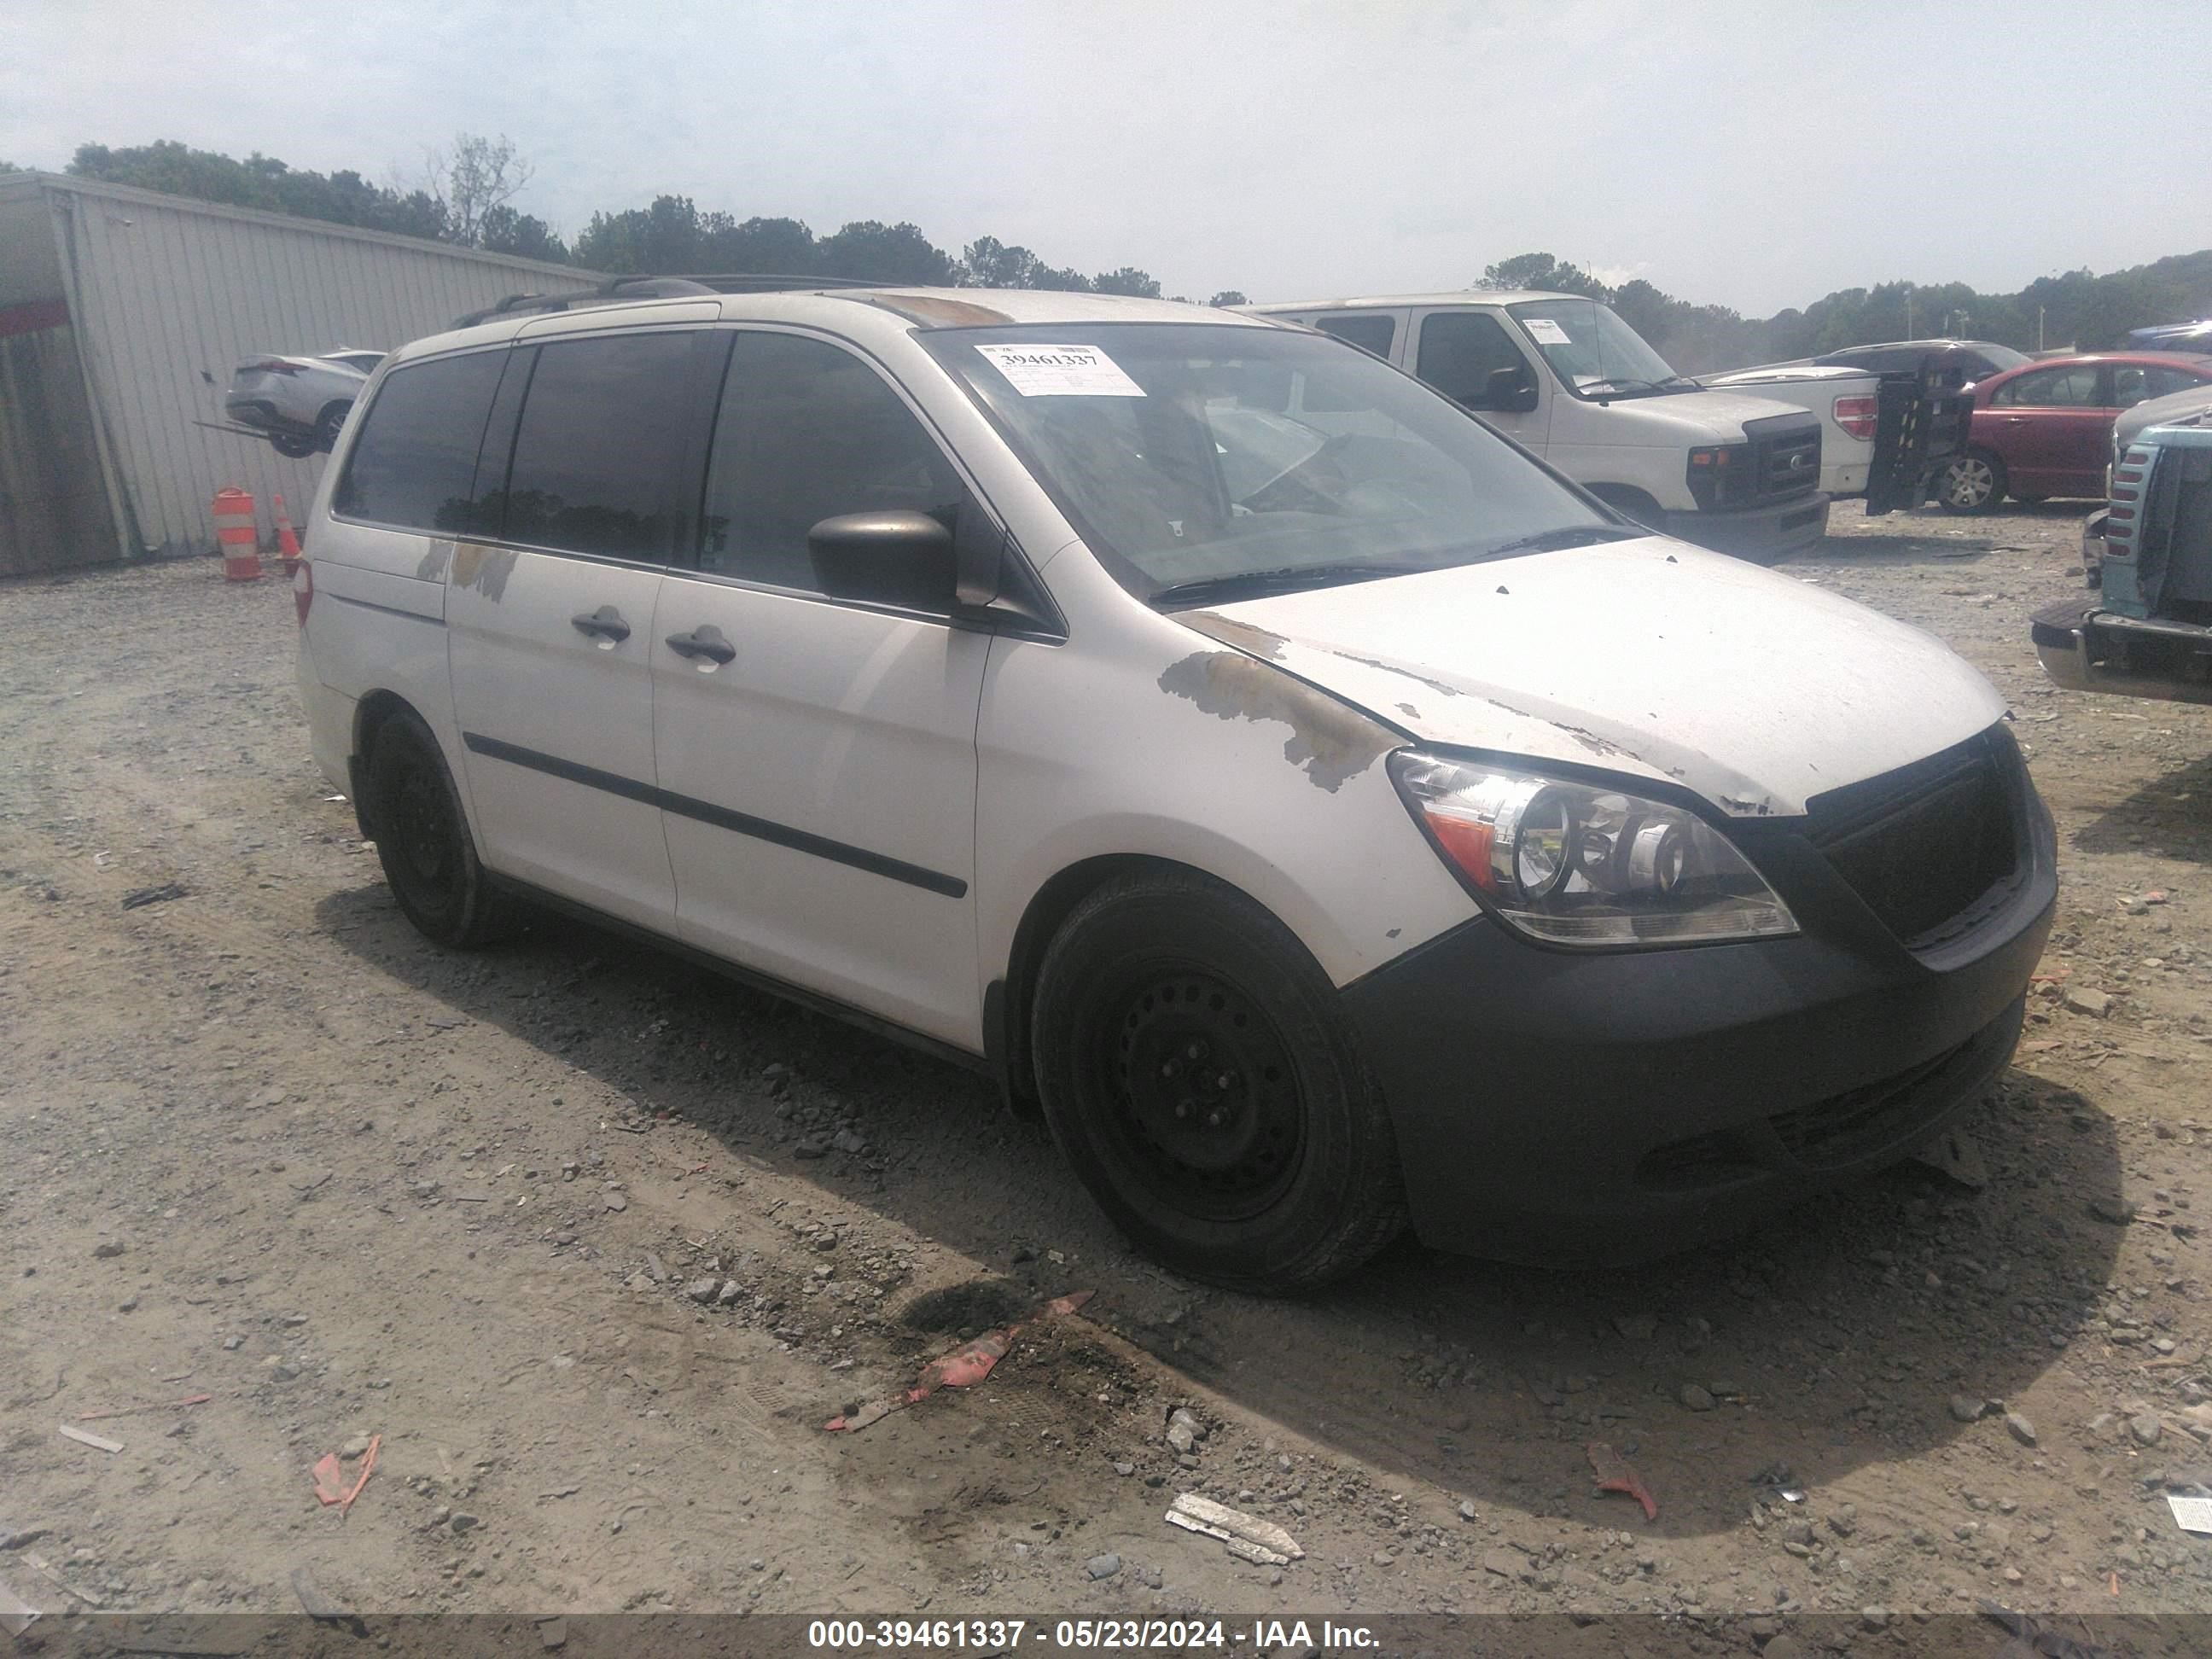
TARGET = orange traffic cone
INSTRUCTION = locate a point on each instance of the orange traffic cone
(287, 545)
(235, 534)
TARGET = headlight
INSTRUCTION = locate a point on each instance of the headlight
(1580, 864)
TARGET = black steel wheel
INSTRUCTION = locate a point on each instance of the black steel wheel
(1194, 1069)
(423, 840)
(1213, 1120)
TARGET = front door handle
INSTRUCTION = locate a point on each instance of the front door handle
(605, 623)
(704, 641)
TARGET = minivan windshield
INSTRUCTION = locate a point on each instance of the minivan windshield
(1205, 462)
(1594, 353)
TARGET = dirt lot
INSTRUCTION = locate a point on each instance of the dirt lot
(262, 1143)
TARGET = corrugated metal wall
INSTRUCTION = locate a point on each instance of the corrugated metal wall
(161, 288)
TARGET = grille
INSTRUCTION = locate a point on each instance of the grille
(1922, 846)
(1788, 463)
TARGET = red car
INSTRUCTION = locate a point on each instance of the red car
(2046, 428)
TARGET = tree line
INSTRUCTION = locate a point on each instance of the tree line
(2079, 309)
(464, 194)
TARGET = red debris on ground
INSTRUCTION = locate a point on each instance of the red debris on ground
(329, 1479)
(964, 1368)
(1616, 1473)
(368, 1462)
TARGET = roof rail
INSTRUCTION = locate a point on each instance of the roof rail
(644, 287)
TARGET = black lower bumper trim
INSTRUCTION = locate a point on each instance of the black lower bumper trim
(1555, 1108)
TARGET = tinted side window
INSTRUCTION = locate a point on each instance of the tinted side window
(809, 432)
(1367, 330)
(602, 434)
(1460, 351)
(2052, 388)
(414, 464)
(2160, 380)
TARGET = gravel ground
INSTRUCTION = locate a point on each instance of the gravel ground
(595, 1243)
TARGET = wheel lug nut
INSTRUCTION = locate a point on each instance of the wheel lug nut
(1195, 1050)
(1223, 1081)
(1182, 1109)
(1213, 1120)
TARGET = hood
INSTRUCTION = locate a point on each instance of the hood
(1693, 417)
(1648, 658)
(1786, 374)
(2188, 407)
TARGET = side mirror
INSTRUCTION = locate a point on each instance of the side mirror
(902, 558)
(1509, 388)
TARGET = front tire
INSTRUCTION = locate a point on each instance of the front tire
(1199, 1077)
(423, 840)
(290, 447)
(1974, 483)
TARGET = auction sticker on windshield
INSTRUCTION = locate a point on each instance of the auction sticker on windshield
(1544, 332)
(1061, 371)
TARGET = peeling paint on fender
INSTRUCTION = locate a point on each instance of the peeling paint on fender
(433, 566)
(1330, 741)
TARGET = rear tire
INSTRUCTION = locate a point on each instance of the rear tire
(1199, 1077)
(291, 448)
(329, 424)
(1974, 483)
(423, 843)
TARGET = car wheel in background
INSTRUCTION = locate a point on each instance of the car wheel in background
(1973, 482)
(1197, 1073)
(423, 840)
(329, 424)
(292, 448)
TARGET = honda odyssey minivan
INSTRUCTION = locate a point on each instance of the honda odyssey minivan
(1330, 817)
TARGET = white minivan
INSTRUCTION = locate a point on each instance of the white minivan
(1563, 375)
(1329, 815)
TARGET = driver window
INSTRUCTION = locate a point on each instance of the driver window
(1460, 350)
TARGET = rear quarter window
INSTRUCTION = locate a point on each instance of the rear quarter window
(413, 465)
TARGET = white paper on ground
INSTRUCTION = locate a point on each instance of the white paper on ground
(1061, 371)
(2191, 1514)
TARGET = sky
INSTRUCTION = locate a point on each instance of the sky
(1747, 156)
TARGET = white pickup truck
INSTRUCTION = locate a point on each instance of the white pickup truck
(1566, 379)
(1845, 399)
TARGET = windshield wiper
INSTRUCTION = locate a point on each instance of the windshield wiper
(1253, 584)
(1579, 535)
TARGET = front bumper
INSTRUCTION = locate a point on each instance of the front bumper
(1561, 1107)
(2084, 647)
(1764, 534)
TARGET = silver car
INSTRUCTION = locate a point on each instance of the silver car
(299, 402)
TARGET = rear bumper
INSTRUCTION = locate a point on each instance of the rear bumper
(1561, 1108)
(1761, 533)
(262, 417)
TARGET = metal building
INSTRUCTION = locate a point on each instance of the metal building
(114, 301)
